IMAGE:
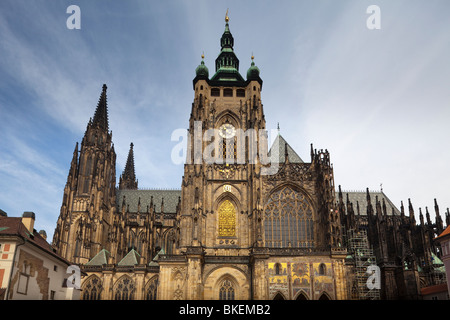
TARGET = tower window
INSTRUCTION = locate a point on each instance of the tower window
(229, 154)
(240, 93)
(228, 92)
(215, 92)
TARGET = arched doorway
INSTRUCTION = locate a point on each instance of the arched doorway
(278, 296)
(302, 296)
(324, 296)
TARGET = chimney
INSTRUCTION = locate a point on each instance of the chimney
(43, 234)
(28, 219)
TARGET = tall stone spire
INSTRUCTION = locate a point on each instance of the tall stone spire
(128, 177)
(101, 113)
(90, 190)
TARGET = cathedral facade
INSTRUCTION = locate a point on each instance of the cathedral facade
(250, 222)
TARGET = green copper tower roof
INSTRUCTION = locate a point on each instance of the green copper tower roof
(253, 72)
(202, 71)
(226, 65)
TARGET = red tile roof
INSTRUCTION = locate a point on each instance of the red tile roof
(13, 226)
(434, 289)
(446, 232)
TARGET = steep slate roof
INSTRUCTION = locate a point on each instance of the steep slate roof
(154, 261)
(282, 144)
(361, 198)
(132, 199)
(100, 259)
(130, 259)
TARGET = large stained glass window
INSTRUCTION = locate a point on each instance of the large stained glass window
(124, 289)
(92, 289)
(288, 219)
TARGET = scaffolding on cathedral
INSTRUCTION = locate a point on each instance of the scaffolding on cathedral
(363, 260)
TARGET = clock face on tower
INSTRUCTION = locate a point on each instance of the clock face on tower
(227, 131)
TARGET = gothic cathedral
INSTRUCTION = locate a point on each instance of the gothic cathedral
(250, 222)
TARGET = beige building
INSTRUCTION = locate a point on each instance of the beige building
(29, 267)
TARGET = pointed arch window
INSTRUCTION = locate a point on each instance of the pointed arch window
(226, 291)
(124, 289)
(88, 165)
(132, 240)
(229, 149)
(140, 243)
(152, 290)
(92, 289)
(288, 219)
(169, 242)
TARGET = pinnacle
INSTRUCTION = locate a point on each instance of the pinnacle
(128, 177)
(101, 112)
(129, 167)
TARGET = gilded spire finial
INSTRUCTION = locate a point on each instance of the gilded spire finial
(226, 17)
(203, 55)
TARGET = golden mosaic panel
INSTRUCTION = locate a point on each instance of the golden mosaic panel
(227, 219)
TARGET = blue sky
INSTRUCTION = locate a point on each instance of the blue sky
(378, 100)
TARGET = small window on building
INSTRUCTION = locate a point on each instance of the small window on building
(215, 92)
(24, 276)
(277, 269)
(55, 268)
(322, 269)
(201, 87)
(228, 92)
(52, 295)
(240, 93)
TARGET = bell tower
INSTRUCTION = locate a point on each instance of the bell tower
(219, 188)
(221, 183)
